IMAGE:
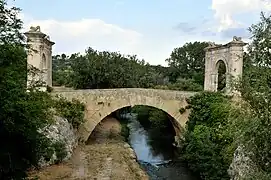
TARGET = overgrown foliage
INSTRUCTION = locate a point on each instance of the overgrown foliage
(187, 62)
(125, 131)
(59, 148)
(73, 110)
(113, 70)
(23, 111)
(182, 85)
(158, 125)
(256, 90)
(104, 70)
(205, 137)
(215, 129)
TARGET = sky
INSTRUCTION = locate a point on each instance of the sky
(150, 29)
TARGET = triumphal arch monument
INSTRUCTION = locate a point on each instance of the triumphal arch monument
(231, 55)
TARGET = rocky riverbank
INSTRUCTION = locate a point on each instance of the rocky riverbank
(105, 156)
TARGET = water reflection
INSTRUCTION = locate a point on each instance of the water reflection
(154, 157)
(139, 139)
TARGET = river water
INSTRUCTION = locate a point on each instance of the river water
(158, 165)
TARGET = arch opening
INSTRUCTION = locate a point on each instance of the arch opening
(160, 127)
(221, 70)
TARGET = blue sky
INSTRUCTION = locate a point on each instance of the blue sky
(150, 29)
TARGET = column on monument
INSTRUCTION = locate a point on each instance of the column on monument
(208, 70)
(40, 55)
(214, 82)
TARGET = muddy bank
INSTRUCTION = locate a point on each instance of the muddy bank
(105, 156)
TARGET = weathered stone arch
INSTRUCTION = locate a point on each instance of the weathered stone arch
(232, 55)
(177, 118)
(101, 103)
(217, 63)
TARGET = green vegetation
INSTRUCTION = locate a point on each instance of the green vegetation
(218, 125)
(114, 70)
(182, 110)
(125, 132)
(158, 124)
(59, 148)
(187, 62)
(256, 91)
(206, 142)
(73, 110)
(124, 129)
(23, 113)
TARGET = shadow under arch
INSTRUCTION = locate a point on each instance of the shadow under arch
(161, 136)
(177, 119)
(174, 123)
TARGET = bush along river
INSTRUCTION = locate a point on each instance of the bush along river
(151, 135)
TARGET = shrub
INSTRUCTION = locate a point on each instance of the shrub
(72, 110)
(182, 110)
(206, 140)
(143, 113)
(158, 125)
(49, 89)
(60, 150)
(125, 131)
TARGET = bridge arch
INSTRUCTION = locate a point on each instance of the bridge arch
(101, 103)
(92, 123)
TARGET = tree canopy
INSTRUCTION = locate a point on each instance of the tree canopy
(188, 61)
(23, 113)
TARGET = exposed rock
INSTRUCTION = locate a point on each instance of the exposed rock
(241, 165)
(60, 131)
(126, 145)
(132, 153)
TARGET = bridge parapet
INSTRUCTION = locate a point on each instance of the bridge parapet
(124, 92)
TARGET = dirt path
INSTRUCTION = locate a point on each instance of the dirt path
(105, 157)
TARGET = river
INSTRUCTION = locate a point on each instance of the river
(158, 165)
(107, 156)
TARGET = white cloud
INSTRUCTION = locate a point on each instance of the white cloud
(76, 36)
(226, 9)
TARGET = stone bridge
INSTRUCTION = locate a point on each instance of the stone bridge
(102, 102)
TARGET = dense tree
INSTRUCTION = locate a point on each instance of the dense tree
(188, 62)
(105, 70)
(113, 70)
(61, 66)
(159, 127)
(21, 113)
(217, 126)
(24, 111)
(256, 90)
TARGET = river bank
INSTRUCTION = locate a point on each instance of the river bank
(105, 156)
